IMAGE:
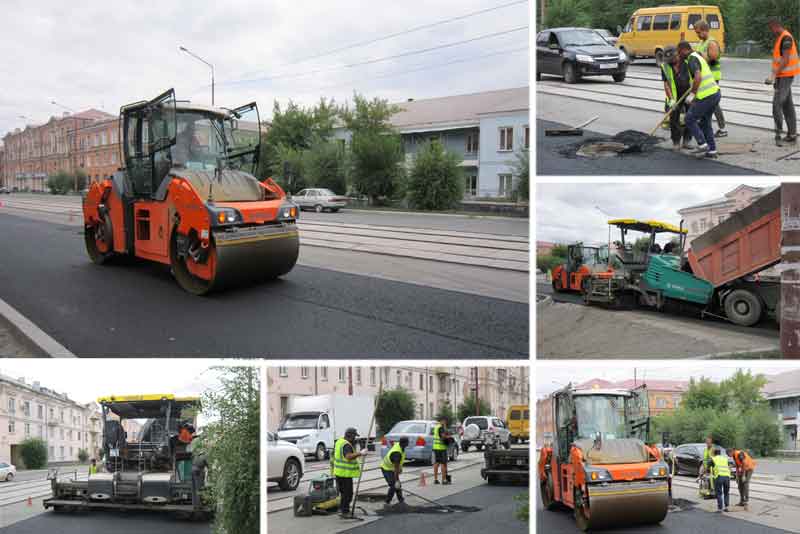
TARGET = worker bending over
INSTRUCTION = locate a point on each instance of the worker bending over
(709, 48)
(703, 100)
(346, 468)
(785, 66)
(391, 467)
(745, 465)
(706, 467)
(722, 479)
(440, 440)
(675, 75)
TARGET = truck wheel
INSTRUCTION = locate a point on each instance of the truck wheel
(570, 74)
(546, 491)
(291, 475)
(743, 307)
(321, 452)
(99, 240)
(479, 448)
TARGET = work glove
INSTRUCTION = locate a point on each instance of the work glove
(689, 98)
(770, 80)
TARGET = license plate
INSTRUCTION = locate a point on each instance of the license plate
(608, 65)
(521, 462)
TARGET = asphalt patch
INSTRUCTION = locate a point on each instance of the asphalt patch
(625, 142)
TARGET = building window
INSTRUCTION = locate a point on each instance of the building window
(323, 373)
(27, 430)
(420, 409)
(12, 405)
(61, 452)
(386, 375)
(504, 188)
(506, 139)
(40, 412)
(283, 371)
(11, 426)
(471, 185)
(702, 225)
(661, 403)
(26, 408)
(430, 383)
(527, 137)
(421, 382)
(472, 143)
(304, 372)
(372, 373)
(342, 374)
(399, 380)
(358, 375)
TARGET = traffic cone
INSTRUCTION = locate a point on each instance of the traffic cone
(30, 502)
(422, 481)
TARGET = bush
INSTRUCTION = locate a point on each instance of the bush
(375, 161)
(446, 412)
(762, 434)
(83, 455)
(324, 166)
(522, 169)
(435, 181)
(393, 406)
(34, 453)
(467, 408)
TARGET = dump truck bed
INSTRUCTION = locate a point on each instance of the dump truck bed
(744, 244)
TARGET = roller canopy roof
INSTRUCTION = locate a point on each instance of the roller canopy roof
(147, 406)
(647, 226)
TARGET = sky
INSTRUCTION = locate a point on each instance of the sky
(570, 212)
(551, 377)
(106, 54)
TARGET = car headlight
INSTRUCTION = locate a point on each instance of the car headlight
(594, 474)
(583, 58)
(220, 216)
(659, 470)
(622, 56)
(287, 212)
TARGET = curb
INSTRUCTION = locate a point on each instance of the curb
(32, 333)
(719, 355)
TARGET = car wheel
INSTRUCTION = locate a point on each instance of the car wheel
(507, 444)
(318, 208)
(321, 452)
(291, 475)
(9, 477)
(619, 78)
(334, 210)
(479, 448)
(570, 74)
(465, 447)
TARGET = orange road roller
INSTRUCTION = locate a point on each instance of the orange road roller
(187, 197)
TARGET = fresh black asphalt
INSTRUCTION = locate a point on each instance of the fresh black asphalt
(551, 160)
(101, 522)
(497, 514)
(691, 521)
(135, 308)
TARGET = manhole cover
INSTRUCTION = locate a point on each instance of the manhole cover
(623, 143)
(601, 149)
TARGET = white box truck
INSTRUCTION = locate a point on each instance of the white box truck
(314, 423)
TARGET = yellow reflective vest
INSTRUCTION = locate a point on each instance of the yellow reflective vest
(387, 464)
(342, 467)
(720, 467)
(438, 442)
(708, 87)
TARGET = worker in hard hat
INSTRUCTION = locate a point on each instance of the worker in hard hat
(392, 466)
(346, 467)
(745, 465)
(440, 440)
(722, 479)
(675, 75)
(785, 66)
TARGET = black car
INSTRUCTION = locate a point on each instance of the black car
(689, 457)
(4, 191)
(576, 52)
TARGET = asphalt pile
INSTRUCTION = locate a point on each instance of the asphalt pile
(625, 142)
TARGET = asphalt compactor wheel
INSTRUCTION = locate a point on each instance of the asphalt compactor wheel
(233, 259)
(99, 239)
(623, 504)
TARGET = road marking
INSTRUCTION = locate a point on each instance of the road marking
(33, 333)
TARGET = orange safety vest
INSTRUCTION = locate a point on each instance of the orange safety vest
(747, 465)
(793, 67)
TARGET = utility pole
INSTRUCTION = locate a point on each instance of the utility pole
(186, 50)
(316, 380)
(477, 396)
(425, 385)
(350, 381)
(790, 272)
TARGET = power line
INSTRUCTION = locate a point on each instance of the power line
(378, 60)
(404, 32)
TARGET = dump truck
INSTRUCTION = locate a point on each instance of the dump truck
(500, 462)
(598, 464)
(187, 197)
(156, 470)
(582, 261)
(719, 275)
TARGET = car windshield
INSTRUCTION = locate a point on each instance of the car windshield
(408, 427)
(604, 33)
(326, 192)
(582, 38)
(292, 422)
(600, 415)
(480, 422)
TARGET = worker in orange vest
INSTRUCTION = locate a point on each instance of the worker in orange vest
(745, 465)
(785, 66)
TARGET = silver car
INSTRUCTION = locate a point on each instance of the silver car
(319, 200)
(420, 441)
(490, 427)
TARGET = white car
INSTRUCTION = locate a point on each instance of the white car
(7, 471)
(487, 425)
(319, 200)
(285, 462)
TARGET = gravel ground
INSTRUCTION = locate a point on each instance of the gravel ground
(11, 343)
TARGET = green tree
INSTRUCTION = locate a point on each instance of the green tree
(34, 453)
(83, 455)
(394, 405)
(762, 432)
(289, 170)
(232, 444)
(468, 408)
(446, 412)
(755, 13)
(548, 262)
(324, 165)
(742, 391)
(559, 250)
(522, 170)
(727, 429)
(435, 180)
(60, 183)
(702, 393)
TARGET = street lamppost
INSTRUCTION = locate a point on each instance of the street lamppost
(184, 49)
(62, 106)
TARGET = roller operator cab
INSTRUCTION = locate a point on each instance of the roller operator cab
(582, 261)
(156, 469)
(598, 464)
(187, 197)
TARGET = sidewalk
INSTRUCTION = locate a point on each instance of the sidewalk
(13, 345)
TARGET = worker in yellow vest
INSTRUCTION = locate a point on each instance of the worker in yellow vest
(440, 440)
(722, 479)
(785, 66)
(346, 467)
(392, 467)
(675, 75)
(709, 48)
(93, 467)
(703, 100)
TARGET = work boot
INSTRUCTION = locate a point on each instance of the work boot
(791, 139)
(712, 154)
(700, 151)
(687, 144)
(436, 481)
(721, 133)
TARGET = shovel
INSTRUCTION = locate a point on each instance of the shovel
(669, 112)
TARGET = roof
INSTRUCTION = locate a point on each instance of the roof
(92, 114)
(458, 111)
(728, 197)
(646, 226)
(783, 385)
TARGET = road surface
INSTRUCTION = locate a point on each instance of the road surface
(335, 303)
(106, 523)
